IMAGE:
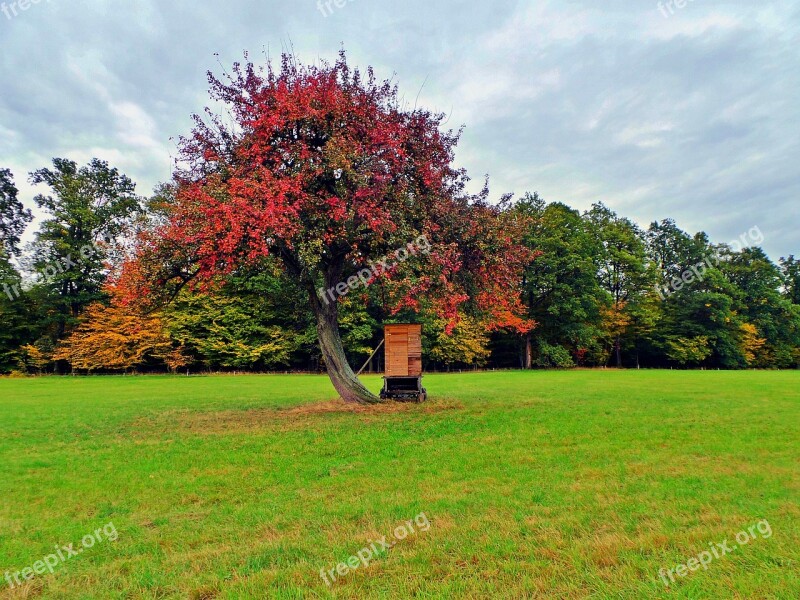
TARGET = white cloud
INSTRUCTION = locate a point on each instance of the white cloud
(580, 101)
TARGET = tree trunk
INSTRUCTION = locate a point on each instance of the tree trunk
(618, 351)
(330, 342)
(528, 351)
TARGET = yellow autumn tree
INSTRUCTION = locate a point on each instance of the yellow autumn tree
(35, 356)
(467, 344)
(614, 323)
(685, 350)
(113, 338)
(177, 358)
(750, 343)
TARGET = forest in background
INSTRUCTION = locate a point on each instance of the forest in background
(602, 291)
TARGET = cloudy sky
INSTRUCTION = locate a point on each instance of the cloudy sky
(691, 113)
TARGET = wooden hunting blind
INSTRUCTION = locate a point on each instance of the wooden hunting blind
(403, 379)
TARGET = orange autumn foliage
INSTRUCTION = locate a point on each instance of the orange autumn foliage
(115, 338)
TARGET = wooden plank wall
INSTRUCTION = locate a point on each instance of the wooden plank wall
(396, 350)
(415, 350)
(403, 350)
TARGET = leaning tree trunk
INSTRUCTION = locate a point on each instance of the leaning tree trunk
(330, 342)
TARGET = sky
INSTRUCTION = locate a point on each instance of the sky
(687, 109)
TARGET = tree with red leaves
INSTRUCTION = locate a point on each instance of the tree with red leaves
(321, 168)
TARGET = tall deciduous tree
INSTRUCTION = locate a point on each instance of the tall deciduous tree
(623, 269)
(323, 168)
(757, 284)
(791, 274)
(561, 286)
(14, 218)
(16, 329)
(114, 338)
(89, 208)
(228, 332)
(15, 326)
(468, 344)
(674, 252)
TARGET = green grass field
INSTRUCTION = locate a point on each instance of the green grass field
(539, 484)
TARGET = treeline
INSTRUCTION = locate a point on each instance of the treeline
(603, 292)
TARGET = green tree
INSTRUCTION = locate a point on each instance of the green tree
(14, 218)
(622, 270)
(673, 252)
(791, 277)
(90, 209)
(561, 289)
(757, 284)
(253, 321)
(703, 309)
(688, 350)
(16, 329)
(677, 257)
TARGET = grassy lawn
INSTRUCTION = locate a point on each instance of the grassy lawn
(539, 484)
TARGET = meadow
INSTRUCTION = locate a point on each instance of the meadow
(580, 484)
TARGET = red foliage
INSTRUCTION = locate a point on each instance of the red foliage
(324, 169)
